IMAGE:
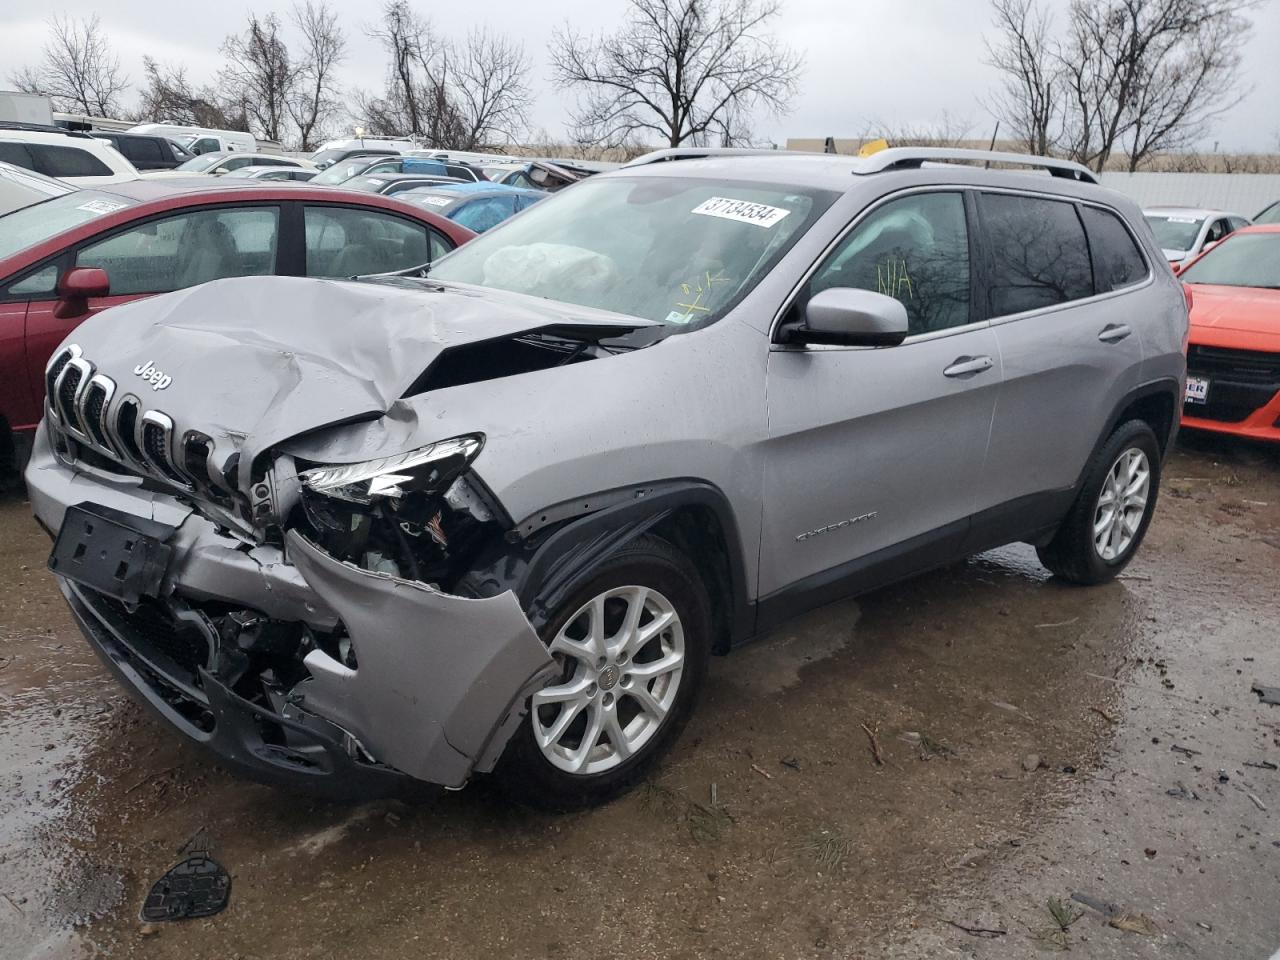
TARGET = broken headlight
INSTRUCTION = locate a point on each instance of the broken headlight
(430, 468)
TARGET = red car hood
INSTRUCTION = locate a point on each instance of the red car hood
(1241, 310)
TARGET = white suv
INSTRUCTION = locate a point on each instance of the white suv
(74, 157)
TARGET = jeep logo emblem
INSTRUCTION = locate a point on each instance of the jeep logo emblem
(148, 372)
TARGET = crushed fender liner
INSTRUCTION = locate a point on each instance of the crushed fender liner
(440, 680)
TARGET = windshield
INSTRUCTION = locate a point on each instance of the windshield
(679, 251)
(201, 163)
(1242, 260)
(31, 225)
(340, 172)
(1175, 232)
(1269, 215)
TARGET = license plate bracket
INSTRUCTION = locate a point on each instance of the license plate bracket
(1197, 390)
(112, 552)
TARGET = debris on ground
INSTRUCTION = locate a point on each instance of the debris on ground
(1185, 751)
(986, 933)
(1135, 923)
(762, 771)
(1094, 903)
(828, 848)
(1104, 715)
(1269, 695)
(1032, 762)
(791, 762)
(197, 887)
(1064, 914)
(1256, 802)
(876, 755)
(1182, 793)
(1261, 765)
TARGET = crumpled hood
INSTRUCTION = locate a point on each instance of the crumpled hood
(1241, 309)
(253, 361)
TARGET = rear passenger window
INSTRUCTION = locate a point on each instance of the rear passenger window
(348, 242)
(16, 153)
(144, 151)
(1117, 262)
(1039, 256)
(67, 161)
(916, 250)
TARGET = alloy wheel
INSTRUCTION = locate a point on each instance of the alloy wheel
(1122, 504)
(623, 656)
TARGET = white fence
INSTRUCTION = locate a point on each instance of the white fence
(1243, 193)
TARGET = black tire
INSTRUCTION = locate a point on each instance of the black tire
(525, 773)
(1071, 554)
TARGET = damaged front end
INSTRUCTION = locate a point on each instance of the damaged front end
(330, 650)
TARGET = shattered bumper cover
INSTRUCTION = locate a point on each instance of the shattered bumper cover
(439, 682)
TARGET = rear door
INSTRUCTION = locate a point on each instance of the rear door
(874, 454)
(1069, 342)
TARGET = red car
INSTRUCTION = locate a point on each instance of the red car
(1233, 354)
(68, 257)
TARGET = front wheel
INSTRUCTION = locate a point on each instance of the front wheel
(632, 643)
(1110, 516)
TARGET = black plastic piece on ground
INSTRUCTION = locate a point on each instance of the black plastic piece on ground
(196, 887)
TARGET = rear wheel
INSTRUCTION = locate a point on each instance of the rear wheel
(1110, 516)
(632, 643)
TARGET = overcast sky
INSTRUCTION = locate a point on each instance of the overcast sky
(901, 62)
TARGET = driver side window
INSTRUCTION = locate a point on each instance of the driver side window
(916, 250)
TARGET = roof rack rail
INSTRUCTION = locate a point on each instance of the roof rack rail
(39, 128)
(899, 158)
(697, 153)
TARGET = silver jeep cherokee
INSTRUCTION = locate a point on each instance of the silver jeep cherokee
(496, 517)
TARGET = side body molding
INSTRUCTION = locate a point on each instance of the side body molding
(440, 680)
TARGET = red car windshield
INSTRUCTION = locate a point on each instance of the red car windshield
(32, 225)
(1242, 260)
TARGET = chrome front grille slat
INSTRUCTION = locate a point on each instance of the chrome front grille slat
(93, 411)
(69, 393)
(154, 438)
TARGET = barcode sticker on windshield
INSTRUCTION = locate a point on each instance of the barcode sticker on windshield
(101, 206)
(744, 211)
(435, 201)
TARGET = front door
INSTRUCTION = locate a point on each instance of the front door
(874, 453)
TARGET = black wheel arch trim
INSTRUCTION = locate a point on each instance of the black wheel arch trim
(1167, 386)
(550, 548)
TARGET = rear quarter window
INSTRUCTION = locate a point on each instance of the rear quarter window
(58, 161)
(1117, 261)
(1038, 253)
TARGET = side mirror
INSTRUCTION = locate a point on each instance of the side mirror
(847, 316)
(1209, 246)
(1176, 268)
(76, 287)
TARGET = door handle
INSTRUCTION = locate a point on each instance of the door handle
(1114, 332)
(968, 366)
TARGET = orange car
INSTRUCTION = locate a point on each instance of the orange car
(1233, 354)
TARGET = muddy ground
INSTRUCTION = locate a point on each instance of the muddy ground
(1027, 731)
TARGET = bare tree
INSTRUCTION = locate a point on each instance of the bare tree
(1149, 75)
(261, 74)
(683, 70)
(1029, 69)
(490, 88)
(79, 70)
(168, 95)
(313, 102)
(409, 46)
